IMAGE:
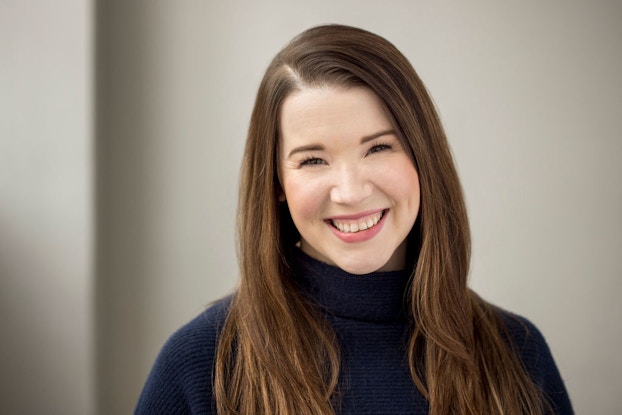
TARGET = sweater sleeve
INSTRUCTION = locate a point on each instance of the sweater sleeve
(538, 360)
(180, 381)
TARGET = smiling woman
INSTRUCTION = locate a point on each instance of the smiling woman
(354, 253)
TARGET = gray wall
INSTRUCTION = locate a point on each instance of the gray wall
(46, 208)
(530, 96)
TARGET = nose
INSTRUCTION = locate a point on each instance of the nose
(350, 186)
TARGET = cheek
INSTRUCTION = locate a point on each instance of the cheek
(304, 199)
(402, 182)
(411, 190)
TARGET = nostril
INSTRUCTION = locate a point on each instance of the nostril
(351, 186)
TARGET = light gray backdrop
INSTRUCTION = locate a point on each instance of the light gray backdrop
(122, 125)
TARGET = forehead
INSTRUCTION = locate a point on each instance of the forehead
(331, 112)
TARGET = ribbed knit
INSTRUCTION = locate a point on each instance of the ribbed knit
(367, 314)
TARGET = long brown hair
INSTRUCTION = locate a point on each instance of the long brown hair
(275, 354)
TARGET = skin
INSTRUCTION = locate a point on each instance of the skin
(341, 165)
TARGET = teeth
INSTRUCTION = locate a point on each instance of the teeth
(361, 225)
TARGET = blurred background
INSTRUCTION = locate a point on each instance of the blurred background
(122, 125)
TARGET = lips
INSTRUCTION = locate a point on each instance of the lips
(359, 224)
(358, 228)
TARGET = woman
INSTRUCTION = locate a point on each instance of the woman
(354, 253)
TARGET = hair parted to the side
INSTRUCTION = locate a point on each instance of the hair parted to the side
(275, 354)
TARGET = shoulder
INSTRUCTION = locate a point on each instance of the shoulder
(526, 338)
(529, 343)
(533, 351)
(181, 377)
(201, 333)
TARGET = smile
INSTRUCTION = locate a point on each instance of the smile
(359, 224)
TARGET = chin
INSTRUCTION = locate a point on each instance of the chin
(359, 268)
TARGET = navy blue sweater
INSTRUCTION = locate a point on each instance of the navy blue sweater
(366, 312)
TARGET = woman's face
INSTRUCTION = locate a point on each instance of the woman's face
(351, 189)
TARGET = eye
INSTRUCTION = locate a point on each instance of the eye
(379, 147)
(311, 161)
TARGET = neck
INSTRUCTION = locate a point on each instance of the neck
(378, 296)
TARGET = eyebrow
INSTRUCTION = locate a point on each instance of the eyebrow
(318, 147)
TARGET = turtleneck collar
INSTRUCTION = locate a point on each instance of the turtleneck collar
(375, 297)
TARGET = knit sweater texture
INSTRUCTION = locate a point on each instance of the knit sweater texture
(368, 317)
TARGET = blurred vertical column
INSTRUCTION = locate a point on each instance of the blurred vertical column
(166, 184)
(124, 186)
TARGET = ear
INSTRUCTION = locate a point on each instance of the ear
(282, 197)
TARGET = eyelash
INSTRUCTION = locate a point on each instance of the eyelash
(376, 148)
(379, 147)
(311, 161)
